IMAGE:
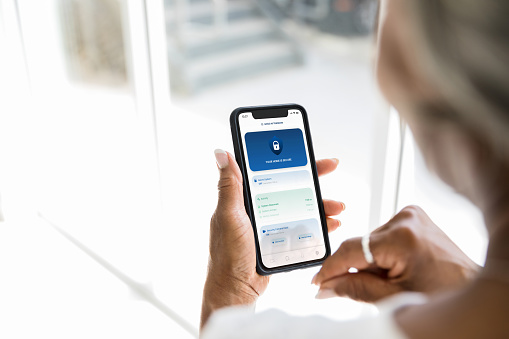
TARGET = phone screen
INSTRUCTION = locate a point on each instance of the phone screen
(282, 190)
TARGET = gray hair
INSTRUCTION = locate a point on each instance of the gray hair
(465, 49)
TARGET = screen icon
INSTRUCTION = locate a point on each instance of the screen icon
(276, 145)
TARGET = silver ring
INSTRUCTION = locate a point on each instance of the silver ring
(365, 249)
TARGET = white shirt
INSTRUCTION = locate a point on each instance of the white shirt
(240, 322)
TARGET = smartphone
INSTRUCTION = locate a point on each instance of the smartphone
(281, 191)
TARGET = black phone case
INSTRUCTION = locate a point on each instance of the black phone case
(239, 156)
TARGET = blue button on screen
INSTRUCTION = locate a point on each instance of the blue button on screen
(270, 150)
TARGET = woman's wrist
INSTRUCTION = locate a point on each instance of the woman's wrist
(228, 291)
(224, 289)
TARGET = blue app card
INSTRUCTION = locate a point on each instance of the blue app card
(270, 150)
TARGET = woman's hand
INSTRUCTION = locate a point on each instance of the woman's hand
(232, 277)
(411, 254)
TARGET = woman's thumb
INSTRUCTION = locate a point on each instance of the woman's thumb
(230, 181)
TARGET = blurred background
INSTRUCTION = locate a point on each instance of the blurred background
(110, 111)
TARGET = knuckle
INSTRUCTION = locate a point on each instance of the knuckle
(407, 215)
(356, 290)
(353, 288)
(411, 211)
(403, 234)
(327, 267)
(226, 182)
(348, 246)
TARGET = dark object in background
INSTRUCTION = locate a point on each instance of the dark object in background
(93, 36)
(339, 17)
(350, 17)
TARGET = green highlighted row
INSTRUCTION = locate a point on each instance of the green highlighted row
(285, 204)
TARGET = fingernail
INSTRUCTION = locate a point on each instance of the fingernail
(325, 294)
(221, 158)
(313, 281)
(344, 206)
(336, 160)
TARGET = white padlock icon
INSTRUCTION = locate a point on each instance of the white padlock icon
(275, 145)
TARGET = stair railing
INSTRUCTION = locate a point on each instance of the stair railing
(220, 15)
(184, 26)
(265, 7)
(181, 17)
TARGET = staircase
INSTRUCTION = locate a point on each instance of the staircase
(210, 44)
